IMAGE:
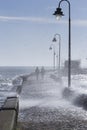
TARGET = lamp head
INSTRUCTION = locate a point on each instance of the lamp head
(58, 13)
(54, 39)
(50, 48)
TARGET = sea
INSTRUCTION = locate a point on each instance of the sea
(10, 77)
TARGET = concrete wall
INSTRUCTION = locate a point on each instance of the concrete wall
(9, 114)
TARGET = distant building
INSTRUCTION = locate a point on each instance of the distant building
(75, 67)
(75, 64)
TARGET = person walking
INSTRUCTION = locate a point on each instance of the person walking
(42, 72)
(37, 73)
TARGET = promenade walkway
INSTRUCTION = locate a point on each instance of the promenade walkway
(42, 107)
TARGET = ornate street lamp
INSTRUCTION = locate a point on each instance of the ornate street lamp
(59, 50)
(58, 13)
(50, 48)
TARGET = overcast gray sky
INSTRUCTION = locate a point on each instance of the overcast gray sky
(27, 28)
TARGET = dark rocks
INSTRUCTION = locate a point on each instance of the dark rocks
(68, 93)
(81, 101)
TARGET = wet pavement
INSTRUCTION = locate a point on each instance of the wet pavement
(42, 107)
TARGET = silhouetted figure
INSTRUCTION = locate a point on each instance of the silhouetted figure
(42, 72)
(37, 72)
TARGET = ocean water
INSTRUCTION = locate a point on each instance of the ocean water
(7, 76)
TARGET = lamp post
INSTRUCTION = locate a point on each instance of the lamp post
(50, 48)
(58, 13)
(59, 50)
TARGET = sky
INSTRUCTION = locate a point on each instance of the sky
(27, 28)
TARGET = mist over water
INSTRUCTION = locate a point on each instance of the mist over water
(42, 102)
(45, 96)
(10, 79)
(48, 93)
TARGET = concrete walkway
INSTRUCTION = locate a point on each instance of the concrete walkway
(42, 107)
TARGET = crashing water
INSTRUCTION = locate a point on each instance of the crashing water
(48, 93)
(10, 79)
(51, 90)
(42, 100)
(42, 105)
